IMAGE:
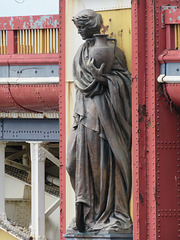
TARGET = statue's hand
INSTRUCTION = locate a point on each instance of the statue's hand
(96, 72)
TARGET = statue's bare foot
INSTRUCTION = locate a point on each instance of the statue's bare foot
(80, 217)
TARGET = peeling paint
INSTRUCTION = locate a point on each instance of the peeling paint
(11, 23)
(104, 29)
(141, 198)
(4, 26)
(27, 22)
(142, 112)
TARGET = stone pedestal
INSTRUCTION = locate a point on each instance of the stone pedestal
(80, 236)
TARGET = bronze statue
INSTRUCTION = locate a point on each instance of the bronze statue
(99, 147)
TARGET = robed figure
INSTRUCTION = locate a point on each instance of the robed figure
(99, 147)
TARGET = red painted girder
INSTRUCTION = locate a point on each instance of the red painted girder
(150, 84)
(167, 142)
(62, 117)
(138, 121)
(29, 98)
(143, 119)
(173, 91)
(29, 22)
(169, 56)
(11, 42)
(172, 16)
(6, 101)
(29, 59)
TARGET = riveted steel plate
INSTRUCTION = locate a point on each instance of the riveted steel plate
(163, 8)
(173, 69)
(46, 130)
(34, 71)
(163, 69)
(4, 71)
(167, 139)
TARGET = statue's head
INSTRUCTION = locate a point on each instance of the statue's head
(88, 22)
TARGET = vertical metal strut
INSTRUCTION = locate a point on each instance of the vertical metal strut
(37, 191)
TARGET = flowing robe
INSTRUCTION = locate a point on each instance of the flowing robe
(99, 147)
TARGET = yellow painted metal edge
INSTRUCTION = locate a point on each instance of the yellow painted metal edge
(6, 236)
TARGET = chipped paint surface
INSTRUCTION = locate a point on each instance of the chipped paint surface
(172, 16)
(121, 30)
(169, 9)
(29, 22)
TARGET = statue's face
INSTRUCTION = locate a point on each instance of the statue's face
(84, 31)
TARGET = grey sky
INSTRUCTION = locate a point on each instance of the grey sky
(28, 7)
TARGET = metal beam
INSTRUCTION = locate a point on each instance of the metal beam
(17, 165)
(62, 116)
(52, 208)
(2, 182)
(50, 156)
(17, 155)
(37, 191)
(143, 120)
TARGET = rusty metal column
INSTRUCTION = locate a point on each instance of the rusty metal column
(143, 114)
(37, 191)
(2, 181)
(62, 119)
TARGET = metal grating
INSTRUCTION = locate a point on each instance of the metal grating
(24, 176)
(17, 173)
(52, 189)
(37, 41)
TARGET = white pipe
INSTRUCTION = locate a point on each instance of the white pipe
(160, 78)
(168, 79)
(53, 180)
(171, 79)
(32, 80)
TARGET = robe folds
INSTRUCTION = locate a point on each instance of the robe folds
(99, 146)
